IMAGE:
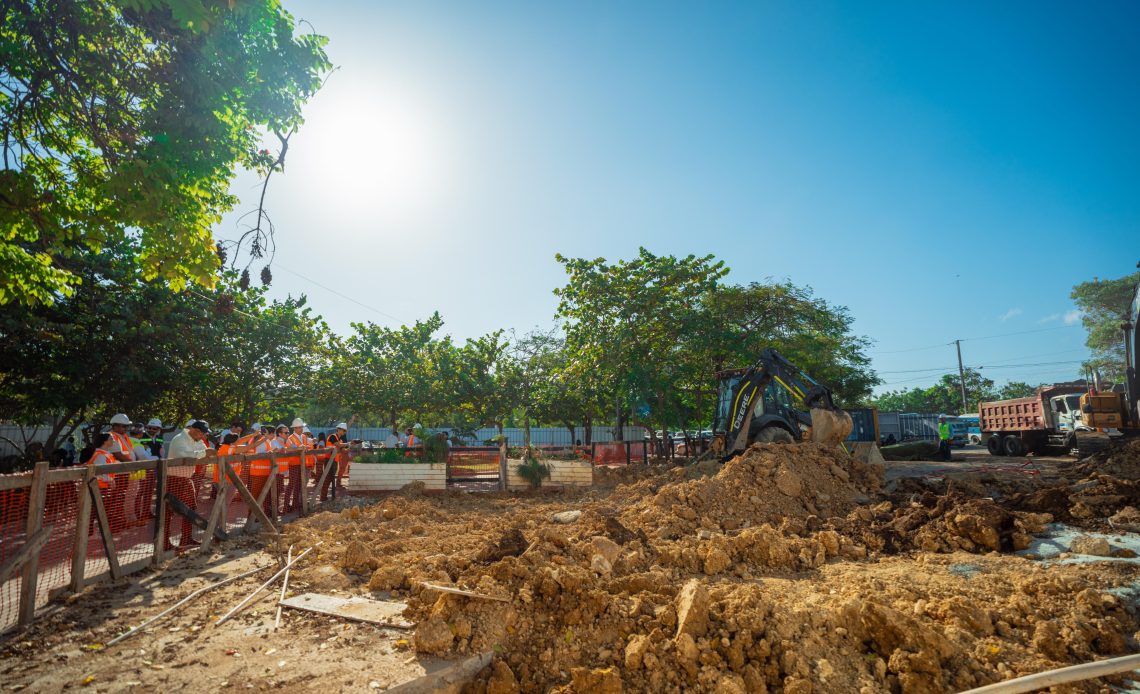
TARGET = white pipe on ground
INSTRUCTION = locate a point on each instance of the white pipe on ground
(1073, 673)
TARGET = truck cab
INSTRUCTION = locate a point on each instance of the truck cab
(1066, 411)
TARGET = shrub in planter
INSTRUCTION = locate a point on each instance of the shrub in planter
(391, 456)
(533, 470)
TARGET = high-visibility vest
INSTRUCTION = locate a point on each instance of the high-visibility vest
(261, 465)
(411, 446)
(125, 444)
(223, 450)
(102, 457)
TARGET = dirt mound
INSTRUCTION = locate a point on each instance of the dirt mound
(751, 576)
(768, 483)
(945, 523)
(1118, 460)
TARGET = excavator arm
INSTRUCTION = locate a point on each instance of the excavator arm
(830, 425)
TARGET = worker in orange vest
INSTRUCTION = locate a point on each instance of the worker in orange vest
(260, 445)
(410, 446)
(124, 451)
(338, 440)
(294, 443)
(104, 455)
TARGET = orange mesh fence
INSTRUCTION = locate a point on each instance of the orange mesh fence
(61, 508)
(473, 463)
(618, 452)
(13, 523)
(129, 500)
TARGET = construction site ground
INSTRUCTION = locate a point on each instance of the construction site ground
(790, 568)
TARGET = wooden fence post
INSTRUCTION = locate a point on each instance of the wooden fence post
(82, 530)
(37, 495)
(160, 513)
(304, 484)
(503, 465)
(274, 473)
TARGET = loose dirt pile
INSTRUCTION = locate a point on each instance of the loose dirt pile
(769, 574)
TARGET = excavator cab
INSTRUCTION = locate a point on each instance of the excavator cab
(755, 405)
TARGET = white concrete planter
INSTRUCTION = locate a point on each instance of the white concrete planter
(563, 473)
(383, 477)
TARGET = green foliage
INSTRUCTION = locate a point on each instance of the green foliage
(388, 456)
(1104, 304)
(122, 344)
(127, 120)
(945, 397)
(532, 469)
(645, 337)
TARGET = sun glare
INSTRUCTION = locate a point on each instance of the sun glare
(379, 155)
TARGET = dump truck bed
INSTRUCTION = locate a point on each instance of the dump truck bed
(1018, 414)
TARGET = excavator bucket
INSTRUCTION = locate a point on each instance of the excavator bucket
(830, 427)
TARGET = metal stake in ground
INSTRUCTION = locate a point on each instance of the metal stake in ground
(265, 585)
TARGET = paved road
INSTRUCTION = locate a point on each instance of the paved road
(976, 459)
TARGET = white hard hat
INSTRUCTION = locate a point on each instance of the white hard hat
(306, 431)
(155, 422)
(417, 425)
(298, 422)
(256, 426)
(342, 425)
(121, 419)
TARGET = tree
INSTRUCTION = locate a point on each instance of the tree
(944, 397)
(128, 119)
(120, 344)
(487, 380)
(628, 323)
(1104, 305)
(384, 373)
(1015, 389)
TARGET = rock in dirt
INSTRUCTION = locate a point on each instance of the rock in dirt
(788, 482)
(433, 636)
(692, 606)
(502, 679)
(566, 516)
(388, 577)
(358, 558)
(595, 681)
(1094, 546)
(605, 547)
(511, 544)
(1127, 518)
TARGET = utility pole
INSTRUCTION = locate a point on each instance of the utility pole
(961, 374)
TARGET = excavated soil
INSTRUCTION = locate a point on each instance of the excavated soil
(783, 570)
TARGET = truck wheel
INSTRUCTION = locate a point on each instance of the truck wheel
(975, 439)
(993, 445)
(774, 435)
(1013, 446)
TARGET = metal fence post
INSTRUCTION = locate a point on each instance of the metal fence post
(37, 495)
(645, 451)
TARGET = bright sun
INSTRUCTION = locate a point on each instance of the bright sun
(381, 155)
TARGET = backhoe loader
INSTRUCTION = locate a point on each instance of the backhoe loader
(750, 408)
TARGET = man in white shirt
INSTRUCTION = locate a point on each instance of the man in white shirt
(393, 440)
(188, 443)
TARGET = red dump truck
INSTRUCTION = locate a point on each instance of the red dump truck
(1049, 419)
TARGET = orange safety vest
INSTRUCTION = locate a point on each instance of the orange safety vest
(260, 466)
(125, 444)
(411, 447)
(293, 442)
(102, 457)
(223, 450)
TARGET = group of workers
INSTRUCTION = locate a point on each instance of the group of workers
(129, 441)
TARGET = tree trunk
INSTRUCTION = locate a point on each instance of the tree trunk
(526, 428)
(588, 425)
(502, 458)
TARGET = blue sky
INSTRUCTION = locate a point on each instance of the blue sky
(943, 170)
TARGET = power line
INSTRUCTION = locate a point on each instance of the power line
(343, 296)
(981, 337)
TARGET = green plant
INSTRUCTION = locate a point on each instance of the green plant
(532, 469)
(389, 456)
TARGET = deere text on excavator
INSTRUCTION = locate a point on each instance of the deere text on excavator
(750, 408)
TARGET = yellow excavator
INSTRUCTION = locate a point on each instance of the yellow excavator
(749, 410)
